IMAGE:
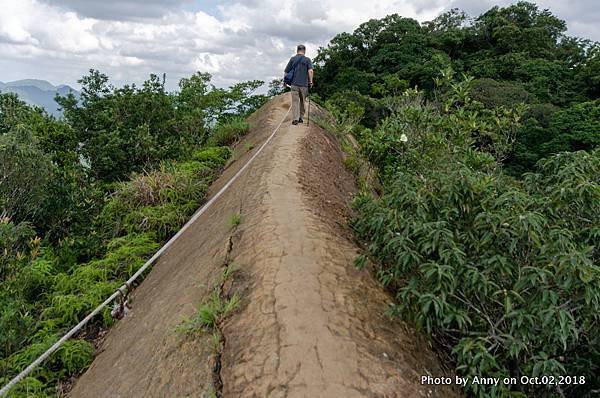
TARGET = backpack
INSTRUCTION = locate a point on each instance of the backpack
(289, 77)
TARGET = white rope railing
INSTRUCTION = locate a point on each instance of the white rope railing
(125, 287)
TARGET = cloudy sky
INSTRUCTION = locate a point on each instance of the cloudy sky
(59, 40)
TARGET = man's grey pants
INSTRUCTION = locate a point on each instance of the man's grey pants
(299, 94)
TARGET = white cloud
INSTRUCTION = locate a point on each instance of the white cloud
(120, 9)
(28, 22)
(59, 40)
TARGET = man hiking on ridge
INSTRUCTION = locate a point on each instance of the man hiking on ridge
(299, 76)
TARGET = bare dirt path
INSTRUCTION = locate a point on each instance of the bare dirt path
(310, 324)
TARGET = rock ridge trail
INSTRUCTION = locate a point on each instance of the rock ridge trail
(309, 325)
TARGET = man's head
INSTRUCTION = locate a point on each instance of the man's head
(301, 49)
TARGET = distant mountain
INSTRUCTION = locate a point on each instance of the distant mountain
(38, 92)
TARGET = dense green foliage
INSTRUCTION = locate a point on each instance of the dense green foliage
(228, 133)
(502, 272)
(485, 226)
(516, 54)
(25, 172)
(121, 130)
(487, 219)
(86, 200)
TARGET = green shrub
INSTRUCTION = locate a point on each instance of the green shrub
(193, 170)
(158, 201)
(30, 387)
(215, 156)
(169, 184)
(16, 323)
(74, 294)
(484, 263)
(65, 182)
(44, 303)
(548, 131)
(125, 255)
(25, 171)
(72, 357)
(229, 132)
(505, 273)
(82, 278)
(574, 128)
(494, 93)
(352, 164)
(163, 220)
(35, 278)
(14, 241)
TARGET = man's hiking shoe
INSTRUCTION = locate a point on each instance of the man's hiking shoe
(294, 122)
(300, 120)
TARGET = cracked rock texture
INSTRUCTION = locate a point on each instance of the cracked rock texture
(310, 324)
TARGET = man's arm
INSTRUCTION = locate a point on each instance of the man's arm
(310, 73)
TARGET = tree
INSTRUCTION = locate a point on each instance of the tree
(120, 130)
(573, 129)
(24, 173)
(13, 112)
(275, 88)
(192, 116)
(590, 72)
(501, 272)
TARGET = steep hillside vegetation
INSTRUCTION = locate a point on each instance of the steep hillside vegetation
(518, 54)
(479, 207)
(85, 201)
(503, 272)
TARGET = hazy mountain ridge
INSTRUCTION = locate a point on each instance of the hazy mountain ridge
(38, 92)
